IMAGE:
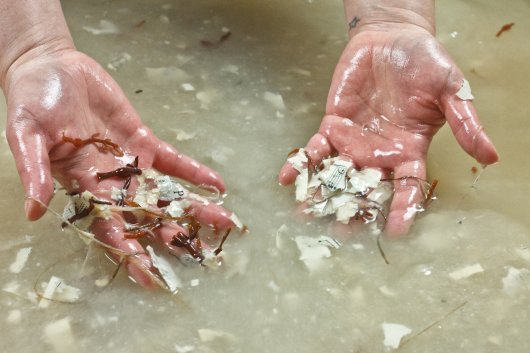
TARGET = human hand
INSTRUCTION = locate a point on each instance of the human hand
(392, 90)
(66, 93)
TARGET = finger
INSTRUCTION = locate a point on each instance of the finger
(408, 197)
(169, 161)
(463, 120)
(29, 147)
(212, 215)
(317, 149)
(139, 264)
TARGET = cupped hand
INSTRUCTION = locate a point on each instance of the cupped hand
(391, 92)
(66, 93)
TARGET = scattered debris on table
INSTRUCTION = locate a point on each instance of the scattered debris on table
(213, 44)
(105, 27)
(314, 250)
(505, 28)
(20, 260)
(394, 333)
(466, 272)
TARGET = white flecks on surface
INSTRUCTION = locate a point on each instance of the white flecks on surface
(358, 246)
(166, 271)
(168, 189)
(313, 250)
(14, 317)
(20, 260)
(301, 185)
(188, 87)
(105, 27)
(275, 99)
(464, 93)
(524, 253)
(181, 135)
(117, 194)
(177, 208)
(237, 262)
(394, 333)
(206, 97)
(184, 348)
(194, 282)
(59, 334)
(166, 74)
(300, 71)
(52, 285)
(466, 272)
(387, 291)
(237, 222)
(233, 69)
(102, 282)
(57, 289)
(208, 335)
(299, 160)
(516, 281)
(280, 235)
(118, 61)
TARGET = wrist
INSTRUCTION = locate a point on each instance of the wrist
(31, 48)
(388, 15)
(33, 28)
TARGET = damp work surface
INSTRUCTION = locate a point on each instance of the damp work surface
(459, 282)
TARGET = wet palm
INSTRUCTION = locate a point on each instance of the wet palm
(68, 93)
(391, 92)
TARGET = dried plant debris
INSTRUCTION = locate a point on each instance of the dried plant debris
(337, 188)
(157, 200)
(505, 28)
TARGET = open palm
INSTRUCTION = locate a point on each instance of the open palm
(69, 94)
(390, 93)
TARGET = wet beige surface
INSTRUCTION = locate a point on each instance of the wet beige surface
(264, 299)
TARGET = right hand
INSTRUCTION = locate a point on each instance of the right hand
(66, 92)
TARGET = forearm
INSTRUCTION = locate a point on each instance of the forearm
(382, 14)
(30, 26)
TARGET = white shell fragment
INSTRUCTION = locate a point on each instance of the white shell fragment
(464, 93)
(166, 271)
(14, 317)
(177, 208)
(20, 260)
(105, 27)
(299, 160)
(314, 250)
(119, 61)
(57, 289)
(208, 335)
(394, 333)
(466, 272)
(59, 334)
(237, 221)
(339, 189)
(169, 189)
(275, 99)
(516, 281)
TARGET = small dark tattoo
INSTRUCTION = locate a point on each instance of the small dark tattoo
(354, 22)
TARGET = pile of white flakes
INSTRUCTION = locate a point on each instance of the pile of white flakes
(339, 189)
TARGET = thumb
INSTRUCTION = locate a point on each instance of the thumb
(29, 147)
(463, 120)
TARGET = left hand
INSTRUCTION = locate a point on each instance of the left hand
(391, 92)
